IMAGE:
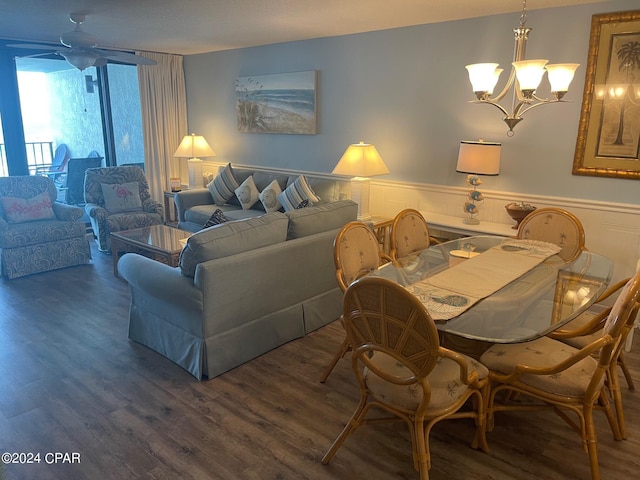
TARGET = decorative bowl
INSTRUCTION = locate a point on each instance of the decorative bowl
(518, 210)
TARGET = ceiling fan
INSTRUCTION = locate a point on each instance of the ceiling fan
(80, 48)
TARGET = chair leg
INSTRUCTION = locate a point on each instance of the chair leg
(342, 351)
(626, 372)
(591, 444)
(614, 390)
(421, 449)
(352, 424)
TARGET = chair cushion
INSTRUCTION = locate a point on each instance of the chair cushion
(269, 197)
(247, 193)
(232, 238)
(444, 379)
(295, 193)
(123, 197)
(223, 186)
(118, 222)
(542, 352)
(19, 210)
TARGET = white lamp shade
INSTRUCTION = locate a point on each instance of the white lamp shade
(194, 146)
(561, 75)
(481, 158)
(483, 76)
(361, 160)
(529, 73)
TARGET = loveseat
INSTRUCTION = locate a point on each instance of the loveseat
(196, 206)
(242, 288)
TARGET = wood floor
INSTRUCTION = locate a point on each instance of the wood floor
(73, 383)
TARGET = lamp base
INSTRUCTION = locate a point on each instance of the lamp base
(471, 221)
(360, 188)
(195, 173)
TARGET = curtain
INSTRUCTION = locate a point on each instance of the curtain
(163, 103)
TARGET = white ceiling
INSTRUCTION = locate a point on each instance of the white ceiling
(197, 26)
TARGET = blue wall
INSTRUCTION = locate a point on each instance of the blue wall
(406, 91)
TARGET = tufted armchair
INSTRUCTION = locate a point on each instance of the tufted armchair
(37, 234)
(118, 199)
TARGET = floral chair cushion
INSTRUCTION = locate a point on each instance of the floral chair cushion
(444, 379)
(542, 352)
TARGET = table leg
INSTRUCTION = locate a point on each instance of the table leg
(114, 255)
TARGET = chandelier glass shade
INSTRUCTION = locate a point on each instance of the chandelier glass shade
(524, 79)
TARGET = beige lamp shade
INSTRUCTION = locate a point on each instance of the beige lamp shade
(194, 146)
(361, 160)
(481, 158)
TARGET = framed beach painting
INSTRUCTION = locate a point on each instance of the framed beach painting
(279, 103)
(608, 143)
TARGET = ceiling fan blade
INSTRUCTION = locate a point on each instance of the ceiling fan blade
(34, 46)
(125, 57)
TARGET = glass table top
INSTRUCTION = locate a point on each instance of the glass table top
(541, 300)
(158, 237)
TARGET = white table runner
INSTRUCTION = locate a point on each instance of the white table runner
(451, 292)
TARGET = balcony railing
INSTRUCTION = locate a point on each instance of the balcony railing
(38, 154)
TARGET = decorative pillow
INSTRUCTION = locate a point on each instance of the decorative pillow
(121, 198)
(295, 193)
(269, 197)
(216, 218)
(247, 193)
(20, 210)
(223, 186)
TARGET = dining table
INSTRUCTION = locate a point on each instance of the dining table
(491, 289)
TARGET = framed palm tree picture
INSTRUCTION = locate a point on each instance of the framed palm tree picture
(608, 143)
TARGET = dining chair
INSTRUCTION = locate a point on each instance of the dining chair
(403, 370)
(356, 252)
(553, 374)
(409, 234)
(555, 225)
(586, 328)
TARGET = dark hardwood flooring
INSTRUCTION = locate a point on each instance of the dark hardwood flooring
(73, 383)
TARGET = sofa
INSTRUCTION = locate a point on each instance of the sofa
(241, 289)
(196, 206)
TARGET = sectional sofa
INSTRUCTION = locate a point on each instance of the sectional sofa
(242, 288)
(196, 206)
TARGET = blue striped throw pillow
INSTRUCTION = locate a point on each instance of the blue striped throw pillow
(223, 187)
(296, 193)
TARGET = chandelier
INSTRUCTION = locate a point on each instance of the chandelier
(525, 77)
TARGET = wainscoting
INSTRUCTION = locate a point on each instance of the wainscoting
(611, 229)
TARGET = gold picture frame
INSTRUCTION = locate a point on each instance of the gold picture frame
(608, 143)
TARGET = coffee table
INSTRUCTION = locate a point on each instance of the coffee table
(158, 242)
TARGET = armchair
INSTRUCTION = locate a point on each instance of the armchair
(38, 234)
(118, 198)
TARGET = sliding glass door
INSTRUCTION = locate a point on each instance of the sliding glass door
(94, 112)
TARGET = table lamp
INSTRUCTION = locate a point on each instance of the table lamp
(361, 161)
(477, 158)
(192, 147)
